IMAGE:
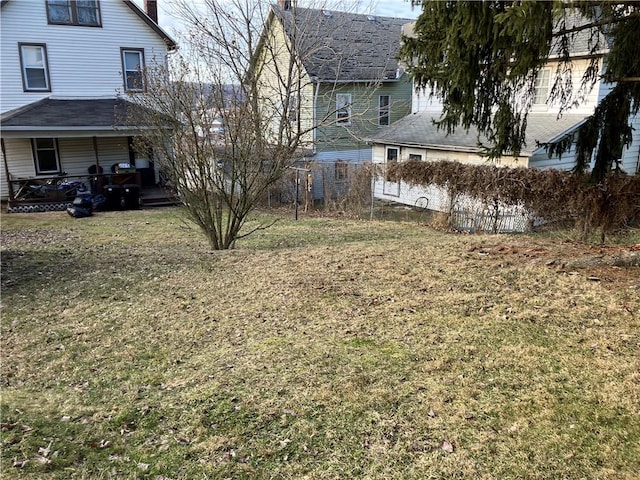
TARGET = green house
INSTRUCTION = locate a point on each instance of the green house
(350, 83)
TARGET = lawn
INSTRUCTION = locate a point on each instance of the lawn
(324, 348)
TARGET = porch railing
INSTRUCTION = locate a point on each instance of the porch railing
(63, 187)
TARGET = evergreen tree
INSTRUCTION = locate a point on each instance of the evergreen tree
(482, 60)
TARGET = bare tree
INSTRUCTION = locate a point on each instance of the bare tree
(230, 113)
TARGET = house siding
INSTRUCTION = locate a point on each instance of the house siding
(585, 100)
(76, 154)
(337, 138)
(273, 66)
(83, 61)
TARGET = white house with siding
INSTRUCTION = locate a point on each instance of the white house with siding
(67, 68)
(415, 137)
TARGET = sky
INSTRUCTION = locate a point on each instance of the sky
(383, 8)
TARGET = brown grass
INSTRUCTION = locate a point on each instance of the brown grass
(326, 348)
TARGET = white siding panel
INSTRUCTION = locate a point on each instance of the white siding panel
(83, 61)
(631, 155)
(541, 160)
(111, 151)
(19, 161)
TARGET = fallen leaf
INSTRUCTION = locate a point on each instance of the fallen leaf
(447, 446)
(45, 451)
(20, 463)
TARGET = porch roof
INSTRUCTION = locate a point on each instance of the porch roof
(69, 118)
(419, 130)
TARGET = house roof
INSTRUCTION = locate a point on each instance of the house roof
(340, 46)
(419, 130)
(69, 115)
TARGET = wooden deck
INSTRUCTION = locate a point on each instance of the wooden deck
(156, 197)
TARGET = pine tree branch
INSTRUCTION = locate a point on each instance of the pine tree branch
(600, 23)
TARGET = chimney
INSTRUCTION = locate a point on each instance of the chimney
(151, 7)
(285, 4)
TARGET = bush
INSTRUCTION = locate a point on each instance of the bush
(550, 195)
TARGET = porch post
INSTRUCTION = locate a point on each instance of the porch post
(95, 150)
(6, 169)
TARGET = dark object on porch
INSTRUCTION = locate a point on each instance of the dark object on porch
(95, 179)
(147, 176)
(113, 196)
(131, 196)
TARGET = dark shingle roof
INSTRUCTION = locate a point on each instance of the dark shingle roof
(419, 130)
(340, 46)
(98, 114)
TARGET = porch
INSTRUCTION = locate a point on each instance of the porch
(57, 193)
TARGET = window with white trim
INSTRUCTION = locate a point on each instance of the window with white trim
(132, 66)
(343, 109)
(384, 109)
(541, 90)
(84, 13)
(35, 70)
(45, 155)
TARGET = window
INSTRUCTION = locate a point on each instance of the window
(132, 65)
(292, 113)
(384, 102)
(415, 157)
(45, 153)
(342, 171)
(35, 71)
(74, 12)
(343, 109)
(390, 187)
(392, 155)
(541, 87)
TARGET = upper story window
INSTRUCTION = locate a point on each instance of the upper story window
(343, 109)
(542, 87)
(132, 66)
(35, 70)
(384, 109)
(74, 12)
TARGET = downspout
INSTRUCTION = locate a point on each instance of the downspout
(6, 169)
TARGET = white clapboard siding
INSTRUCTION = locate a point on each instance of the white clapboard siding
(631, 155)
(19, 161)
(77, 154)
(84, 62)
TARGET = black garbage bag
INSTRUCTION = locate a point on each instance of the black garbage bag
(99, 201)
(79, 212)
